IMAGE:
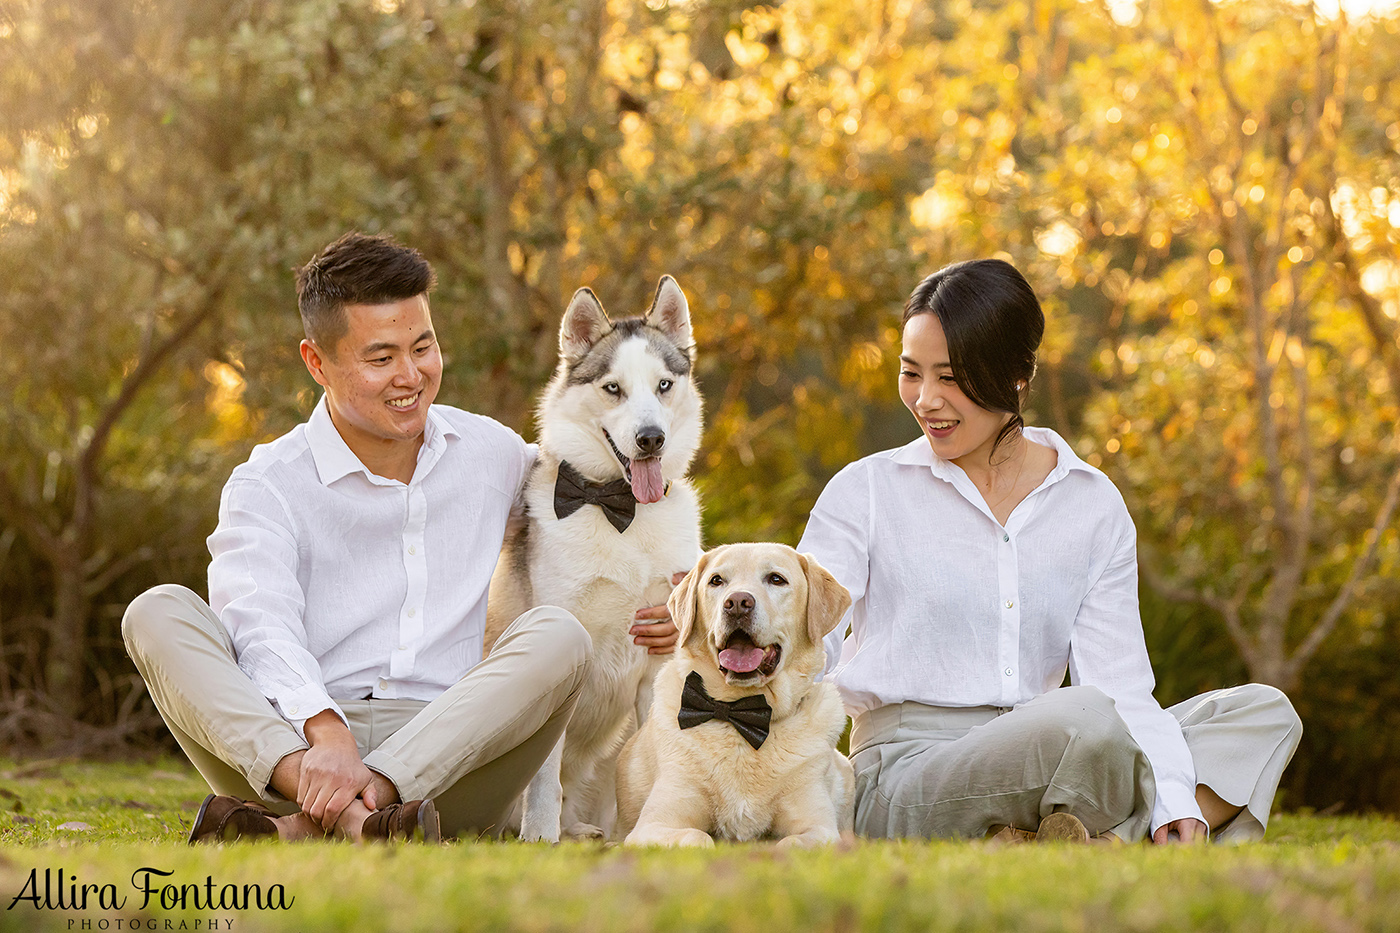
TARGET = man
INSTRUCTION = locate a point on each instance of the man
(334, 683)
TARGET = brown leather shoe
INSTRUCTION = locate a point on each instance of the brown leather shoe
(224, 819)
(1009, 835)
(1061, 827)
(415, 821)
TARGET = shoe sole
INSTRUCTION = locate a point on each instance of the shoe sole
(1061, 827)
(429, 826)
(198, 819)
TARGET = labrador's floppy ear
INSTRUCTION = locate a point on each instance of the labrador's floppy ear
(682, 604)
(827, 600)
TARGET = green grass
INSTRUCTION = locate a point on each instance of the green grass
(1314, 873)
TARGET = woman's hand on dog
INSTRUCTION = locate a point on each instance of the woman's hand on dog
(656, 637)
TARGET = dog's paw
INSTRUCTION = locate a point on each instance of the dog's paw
(580, 832)
(694, 837)
(808, 840)
(666, 836)
(528, 834)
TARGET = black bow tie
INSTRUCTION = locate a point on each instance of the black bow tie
(750, 715)
(572, 492)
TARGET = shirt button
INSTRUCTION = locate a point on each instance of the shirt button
(1009, 604)
(1006, 537)
(403, 647)
(383, 683)
(411, 612)
(293, 710)
(412, 549)
(1008, 672)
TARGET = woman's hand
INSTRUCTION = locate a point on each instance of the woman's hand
(657, 637)
(1177, 831)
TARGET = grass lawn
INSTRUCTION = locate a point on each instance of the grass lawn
(1329, 874)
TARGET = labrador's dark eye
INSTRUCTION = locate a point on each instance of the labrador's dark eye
(716, 580)
(777, 579)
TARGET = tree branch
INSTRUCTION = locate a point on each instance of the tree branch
(1236, 109)
(1229, 609)
(19, 511)
(86, 478)
(1344, 596)
(99, 580)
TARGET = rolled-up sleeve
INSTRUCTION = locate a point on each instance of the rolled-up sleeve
(838, 536)
(1108, 651)
(254, 589)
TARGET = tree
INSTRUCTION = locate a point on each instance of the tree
(1274, 507)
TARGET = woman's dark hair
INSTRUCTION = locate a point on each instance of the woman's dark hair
(993, 325)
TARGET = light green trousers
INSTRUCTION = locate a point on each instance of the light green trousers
(924, 771)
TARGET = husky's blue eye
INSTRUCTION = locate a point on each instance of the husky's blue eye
(716, 580)
(612, 388)
(664, 385)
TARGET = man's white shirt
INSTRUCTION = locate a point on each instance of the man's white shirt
(950, 608)
(338, 584)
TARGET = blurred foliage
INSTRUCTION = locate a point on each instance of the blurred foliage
(1206, 196)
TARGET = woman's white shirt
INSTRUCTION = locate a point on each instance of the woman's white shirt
(950, 608)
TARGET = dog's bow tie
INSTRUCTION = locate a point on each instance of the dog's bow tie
(572, 492)
(750, 715)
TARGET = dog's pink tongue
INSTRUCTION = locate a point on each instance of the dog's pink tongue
(741, 660)
(647, 484)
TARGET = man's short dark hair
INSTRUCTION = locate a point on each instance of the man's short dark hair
(356, 270)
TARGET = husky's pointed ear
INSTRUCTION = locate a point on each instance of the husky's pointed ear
(683, 605)
(584, 322)
(670, 314)
(827, 600)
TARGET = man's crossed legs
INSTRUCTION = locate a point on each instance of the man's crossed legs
(471, 750)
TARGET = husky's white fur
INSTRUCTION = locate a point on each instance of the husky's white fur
(622, 403)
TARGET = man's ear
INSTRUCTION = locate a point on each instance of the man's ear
(827, 600)
(315, 359)
(682, 604)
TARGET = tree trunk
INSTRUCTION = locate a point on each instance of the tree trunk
(66, 665)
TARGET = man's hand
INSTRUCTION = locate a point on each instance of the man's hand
(657, 637)
(1178, 831)
(332, 774)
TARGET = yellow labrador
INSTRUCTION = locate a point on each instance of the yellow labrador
(711, 761)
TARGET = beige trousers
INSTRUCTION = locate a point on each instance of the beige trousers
(472, 750)
(924, 771)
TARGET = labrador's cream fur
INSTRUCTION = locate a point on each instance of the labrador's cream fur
(687, 787)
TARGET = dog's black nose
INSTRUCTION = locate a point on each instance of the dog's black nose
(739, 603)
(650, 440)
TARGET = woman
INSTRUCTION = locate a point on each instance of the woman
(984, 559)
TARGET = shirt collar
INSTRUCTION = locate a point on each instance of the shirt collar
(918, 452)
(335, 460)
(1068, 461)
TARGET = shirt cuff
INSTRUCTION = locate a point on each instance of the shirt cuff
(1174, 802)
(297, 706)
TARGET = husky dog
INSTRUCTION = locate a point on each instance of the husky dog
(609, 518)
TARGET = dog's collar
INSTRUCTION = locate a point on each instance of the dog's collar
(751, 716)
(572, 491)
